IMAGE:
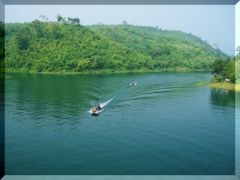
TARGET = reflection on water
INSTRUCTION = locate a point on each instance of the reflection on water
(221, 97)
(237, 140)
(164, 125)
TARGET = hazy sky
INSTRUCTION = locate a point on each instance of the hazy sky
(237, 25)
(213, 23)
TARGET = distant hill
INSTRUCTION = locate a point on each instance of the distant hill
(167, 48)
(70, 47)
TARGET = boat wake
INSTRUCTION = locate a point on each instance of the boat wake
(105, 103)
(95, 111)
(100, 107)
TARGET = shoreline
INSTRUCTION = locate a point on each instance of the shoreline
(225, 85)
(221, 85)
(214, 85)
(107, 71)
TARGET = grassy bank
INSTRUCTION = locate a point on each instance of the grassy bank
(225, 85)
(221, 85)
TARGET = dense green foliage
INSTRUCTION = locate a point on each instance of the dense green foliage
(227, 70)
(168, 49)
(67, 46)
(237, 68)
(2, 48)
(224, 70)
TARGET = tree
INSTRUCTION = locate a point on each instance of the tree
(59, 18)
(217, 69)
(38, 28)
(223, 70)
(229, 71)
(75, 21)
(2, 41)
(23, 39)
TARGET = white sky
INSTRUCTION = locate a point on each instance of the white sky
(213, 23)
(237, 25)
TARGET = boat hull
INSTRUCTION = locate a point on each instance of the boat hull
(95, 113)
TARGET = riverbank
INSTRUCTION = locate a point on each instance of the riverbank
(107, 71)
(221, 85)
(225, 85)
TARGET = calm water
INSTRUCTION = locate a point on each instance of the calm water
(164, 125)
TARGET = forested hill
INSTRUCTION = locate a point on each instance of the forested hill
(71, 47)
(167, 48)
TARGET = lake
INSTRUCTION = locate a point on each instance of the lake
(165, 125)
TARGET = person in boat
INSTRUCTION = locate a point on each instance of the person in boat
(97, 108)
(94, 110)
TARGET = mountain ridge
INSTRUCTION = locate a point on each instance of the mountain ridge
(56, 47)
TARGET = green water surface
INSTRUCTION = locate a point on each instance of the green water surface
(165, 125)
